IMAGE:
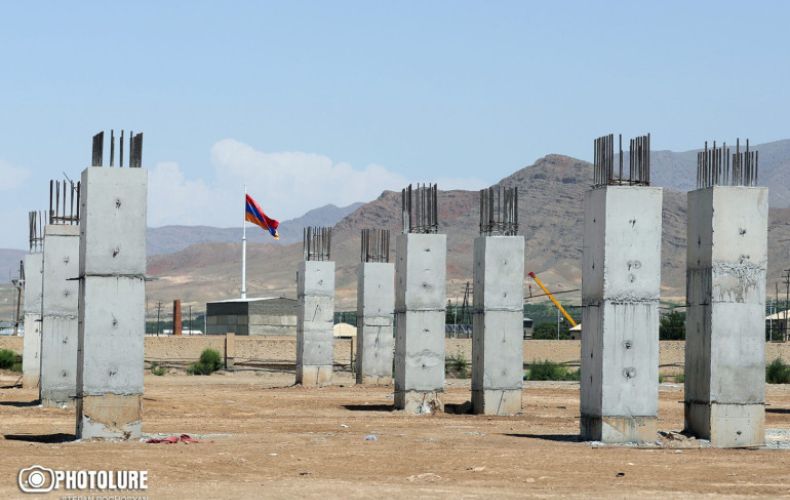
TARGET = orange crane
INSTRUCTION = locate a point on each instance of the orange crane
(553, 299)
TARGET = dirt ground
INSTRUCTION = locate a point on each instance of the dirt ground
(260, 438)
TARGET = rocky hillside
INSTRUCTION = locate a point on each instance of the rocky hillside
(551, 217)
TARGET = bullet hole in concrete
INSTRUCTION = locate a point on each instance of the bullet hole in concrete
(115, 252)
(64, 374)
(631, 278)
(627, 344)
(114, 322)
(117, 203)
(66, 259)
(629, 372)
(741, 231)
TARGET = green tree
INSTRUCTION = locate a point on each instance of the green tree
(548, 331)
(672, 326)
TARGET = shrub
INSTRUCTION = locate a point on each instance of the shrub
(680, 378)
(548, 370)
(157, 369)
(209, 362)
(8, 359)
(778, 372)
(457, 366)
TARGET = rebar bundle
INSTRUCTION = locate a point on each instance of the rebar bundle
(715, 166)
(499, 211)
(135, 149)
(375, 245)
(316, 243)
(64, 202)
(638, 168)
(36, 223)
(419, 209)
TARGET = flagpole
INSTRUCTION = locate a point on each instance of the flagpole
(244, 248)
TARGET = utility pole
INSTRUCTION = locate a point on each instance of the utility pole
(158, 311)
(786, 277)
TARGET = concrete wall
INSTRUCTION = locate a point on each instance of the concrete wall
(59, 328)
(375, 317)
(111, 354)
(497, 361)
(315, 319)
(726, 278)
(31, 361)
(420, 301)
(621, 280)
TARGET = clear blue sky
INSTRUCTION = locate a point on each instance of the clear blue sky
(368, 94)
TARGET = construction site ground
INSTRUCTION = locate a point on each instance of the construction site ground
(260, 437)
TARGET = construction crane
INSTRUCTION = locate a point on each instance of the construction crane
(553, 299)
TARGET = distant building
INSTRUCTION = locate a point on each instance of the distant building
(528, 325)
(272, 316)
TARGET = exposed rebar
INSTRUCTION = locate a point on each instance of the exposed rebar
(604, 172)
(375, 245)
(419, 209)
(716, 167)
(316, 243)
(64, 202)
(499, 211)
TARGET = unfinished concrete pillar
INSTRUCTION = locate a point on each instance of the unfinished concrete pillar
(621, 278)
(375, 309)
(59, 306)
(315, 318)
(31, 349)
(497, 325)
(725, 328)
(420, 301)
(112, 299)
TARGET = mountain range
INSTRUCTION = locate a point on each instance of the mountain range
(551, 218)
(201, 263)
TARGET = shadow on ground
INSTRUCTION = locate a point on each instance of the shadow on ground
(58, 437)
(20, 404)
(369, 407)
(562, 438)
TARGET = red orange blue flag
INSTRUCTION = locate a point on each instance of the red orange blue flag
(255, 215)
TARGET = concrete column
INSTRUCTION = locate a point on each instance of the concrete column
(498, 332)
(725, 327)
(420, 301)
(31, 347)
(59, 303)
(375, 314)
(112, 302)
(314, 322)
(621, 279)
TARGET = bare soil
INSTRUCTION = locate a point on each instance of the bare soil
(261, 438)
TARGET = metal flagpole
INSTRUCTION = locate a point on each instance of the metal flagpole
(244, 248)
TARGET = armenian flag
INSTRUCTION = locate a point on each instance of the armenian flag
(255, 215)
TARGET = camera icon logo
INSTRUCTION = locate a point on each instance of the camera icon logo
(36, 479)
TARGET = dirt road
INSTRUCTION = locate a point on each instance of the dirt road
(261, 438)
